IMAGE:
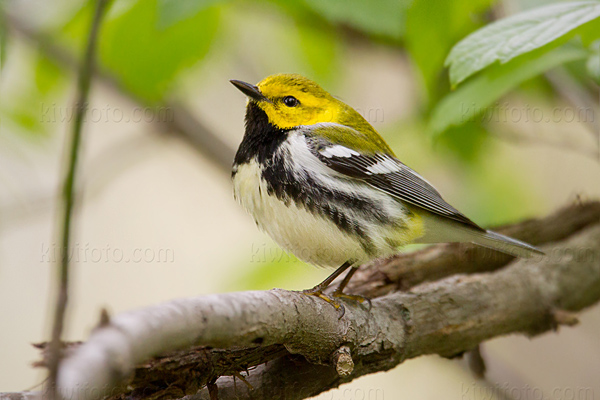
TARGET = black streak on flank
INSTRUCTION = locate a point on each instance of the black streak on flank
(286, 186)
(321, 200)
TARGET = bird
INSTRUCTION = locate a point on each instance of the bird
(320, 180)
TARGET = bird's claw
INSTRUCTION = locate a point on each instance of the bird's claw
(335, 303)
(353, 297)
(333, 300)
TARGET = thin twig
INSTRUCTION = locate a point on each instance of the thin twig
(516, 134)
(577, 95)
(68, 193)
(476, 363)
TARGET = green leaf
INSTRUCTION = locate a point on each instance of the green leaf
(268, 273)
(475, 97)
(29, 111)
(270, 266)
(146, 58)
(466, 141)
(510, 37)
(432, 27)
(491, 185)
(34, 95)
(48, 75)
(74, 32)
(171, 12)
(593, 62)
(589, 32)
(319, 48)
(378, 17)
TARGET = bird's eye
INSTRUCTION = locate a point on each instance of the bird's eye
(290, 101)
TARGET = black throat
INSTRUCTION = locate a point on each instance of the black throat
(261, 140)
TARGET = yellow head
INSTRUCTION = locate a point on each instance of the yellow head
(290, 100)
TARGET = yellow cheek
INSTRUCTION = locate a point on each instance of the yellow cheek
(286, 118)
(327, 115)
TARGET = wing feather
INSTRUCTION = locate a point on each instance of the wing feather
(386, 173)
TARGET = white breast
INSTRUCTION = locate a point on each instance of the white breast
(309, 237)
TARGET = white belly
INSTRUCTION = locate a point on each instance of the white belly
(309, 237)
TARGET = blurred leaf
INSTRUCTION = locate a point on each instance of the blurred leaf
(378, 17)
(28, 111)
(432, 27)
(266, 275)
(475, 97)
(34, 94)
(171, 12)
(27, 120)
(499, 193)
(74, 32)
(47, 74)
(146, 58)
(319, 47)
(465, 141)
(588, 32)
(271, 267)
(510, 37)
(593, 62)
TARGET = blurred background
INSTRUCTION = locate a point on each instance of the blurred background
(156, 219)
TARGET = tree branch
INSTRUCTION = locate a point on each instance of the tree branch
(282, 344)
(447, 318)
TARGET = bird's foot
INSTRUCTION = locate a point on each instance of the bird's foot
(318, 292)
(353, 297)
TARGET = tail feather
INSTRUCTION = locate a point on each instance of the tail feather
(445, 230)
(505, 244)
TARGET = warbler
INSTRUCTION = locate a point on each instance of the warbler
(319, 179)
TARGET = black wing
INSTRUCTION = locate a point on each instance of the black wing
(388, 174)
